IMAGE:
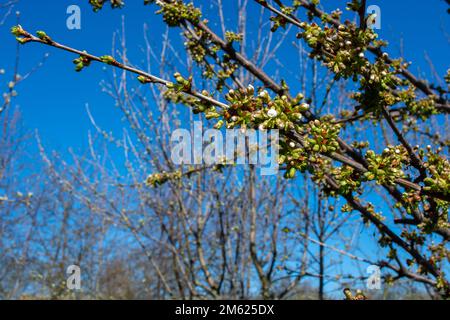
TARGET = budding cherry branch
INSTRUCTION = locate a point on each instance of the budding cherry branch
(416, 178)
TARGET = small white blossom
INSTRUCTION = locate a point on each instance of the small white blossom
(264, 94)
(272, 113)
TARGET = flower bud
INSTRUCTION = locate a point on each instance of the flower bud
(272, 113)
(250, 89)
(108, 59)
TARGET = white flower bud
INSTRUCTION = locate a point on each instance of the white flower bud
(263, 94)
(272, 113)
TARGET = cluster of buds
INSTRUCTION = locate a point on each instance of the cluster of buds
(360, 144)
(81, 63)
(199, 45)
(98, 4)
(176, 11)
(228, 68)
(381, 74)
(387, 167)
(378, 82)
(422, 108)
(174, 93)
(439, 168)
(279, 20)
(294, 157)
(21, 35)
(411, 200)
(181, 85)
(322, 136)
(195, 44)
(233, 37)
(262, 111)
(358, 296)
(341, 49)
(157, 179)
(413, 237)
(109, 60)
(348, 179)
